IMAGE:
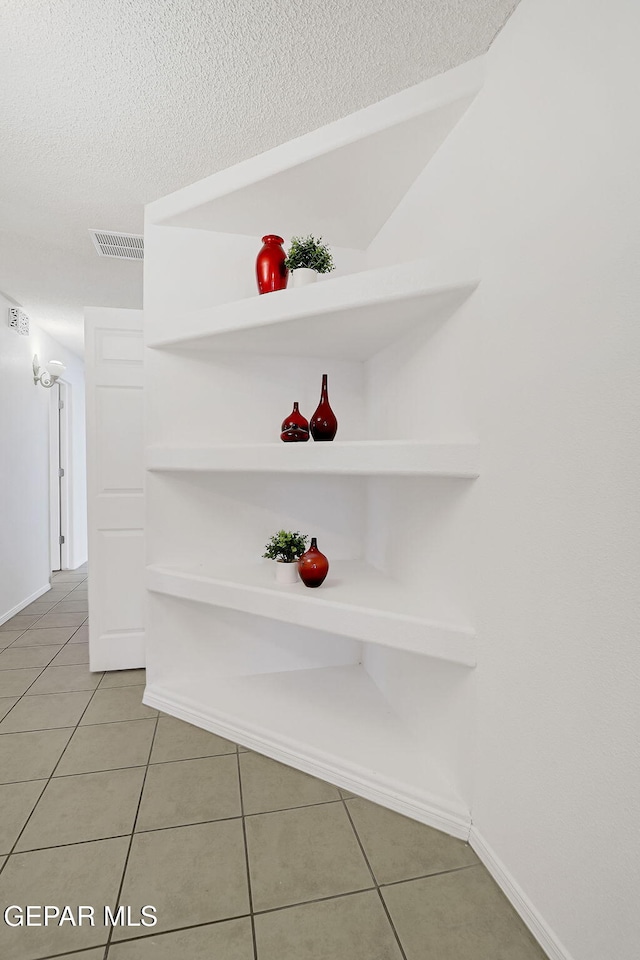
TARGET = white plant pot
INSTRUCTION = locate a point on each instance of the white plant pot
(302, 276)
(286, 572)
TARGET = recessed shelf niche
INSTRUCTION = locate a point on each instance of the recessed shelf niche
(366, 682)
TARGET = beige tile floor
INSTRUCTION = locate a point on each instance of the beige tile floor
(103, 801)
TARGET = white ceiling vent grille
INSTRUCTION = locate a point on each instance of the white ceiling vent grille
(124, 246)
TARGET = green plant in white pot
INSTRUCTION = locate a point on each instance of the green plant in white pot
(307, 257)
(286, 548)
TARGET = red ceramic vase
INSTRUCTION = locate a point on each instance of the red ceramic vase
(324, 425)
(313, 566)
(295, 429)
(271, 272)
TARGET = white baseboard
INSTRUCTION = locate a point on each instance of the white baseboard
(380, 790)
(24, 603)
(518, 899)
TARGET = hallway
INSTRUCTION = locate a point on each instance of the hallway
(105, 801)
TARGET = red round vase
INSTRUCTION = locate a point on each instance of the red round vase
(271, 272)
(324, 425)
(313, 566)
(295, 429)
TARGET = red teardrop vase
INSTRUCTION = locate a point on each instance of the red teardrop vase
(271, 272)
(313, 566)
(324, 425)
(295, 428)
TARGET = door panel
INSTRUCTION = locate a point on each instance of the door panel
(115, 481)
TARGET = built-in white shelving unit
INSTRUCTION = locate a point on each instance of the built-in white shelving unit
(365, 681)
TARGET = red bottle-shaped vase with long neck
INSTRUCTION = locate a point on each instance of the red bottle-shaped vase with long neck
(324, 425)
(295, 429)
(271, 272)
(313, 566)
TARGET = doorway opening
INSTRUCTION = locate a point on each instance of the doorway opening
(58, 477)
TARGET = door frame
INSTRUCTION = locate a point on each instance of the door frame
(59, 487)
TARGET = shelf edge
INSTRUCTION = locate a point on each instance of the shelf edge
(457, 460)
(439, 641)
(306, 303)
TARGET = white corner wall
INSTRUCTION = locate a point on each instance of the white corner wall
(24, 465)
(538, 188)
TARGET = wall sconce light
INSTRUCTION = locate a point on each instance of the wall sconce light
(51, 373)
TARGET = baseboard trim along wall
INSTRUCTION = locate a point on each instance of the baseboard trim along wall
(24, 603)
(386, 792)
(518, 899)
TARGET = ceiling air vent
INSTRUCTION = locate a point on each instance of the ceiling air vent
(124, 246)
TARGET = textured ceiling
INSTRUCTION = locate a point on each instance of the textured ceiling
(108, 104)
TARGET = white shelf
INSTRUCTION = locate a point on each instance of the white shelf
(355, 601)
(342, 181)
(356, 458)
(301, 716)
(351, 317)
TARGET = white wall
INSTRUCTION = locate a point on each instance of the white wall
(538, 191)
(24, 464)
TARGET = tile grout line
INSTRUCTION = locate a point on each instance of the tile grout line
(46, 667)
(62, 693)
(73, 953)
(48, 779)
(428, 876)
(305, 903)
(176, 826)
(132, 835)
(162, 933)
(351, 893)
(374, 878)
(92, 691)
(74, 728)
(32, 626)
(68, 640)
(246, 857)
(197, 823)
(26, 692)
(242, 916)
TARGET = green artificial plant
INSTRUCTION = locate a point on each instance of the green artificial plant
(286, 546)
(309, 252)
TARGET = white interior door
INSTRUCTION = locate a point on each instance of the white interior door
(115, 487)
